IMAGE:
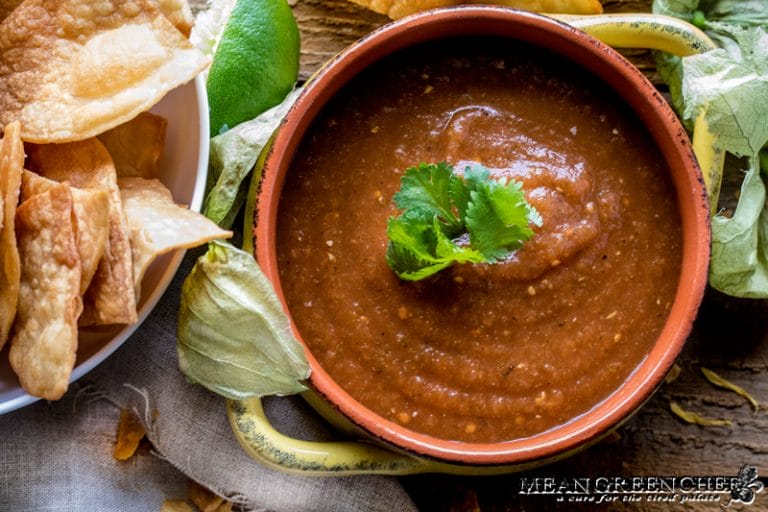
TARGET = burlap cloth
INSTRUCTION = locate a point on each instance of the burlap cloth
(58, 456)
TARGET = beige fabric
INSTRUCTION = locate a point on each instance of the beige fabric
(57, 457)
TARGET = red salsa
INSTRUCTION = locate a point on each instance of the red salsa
(489, 352)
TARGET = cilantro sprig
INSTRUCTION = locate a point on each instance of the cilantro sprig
(441, 210)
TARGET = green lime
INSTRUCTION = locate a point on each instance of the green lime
(256, 63)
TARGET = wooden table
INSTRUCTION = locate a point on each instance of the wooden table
(730, 337)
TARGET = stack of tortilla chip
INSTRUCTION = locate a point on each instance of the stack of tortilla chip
(84, 215)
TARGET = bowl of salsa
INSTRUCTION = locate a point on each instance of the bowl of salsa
(503, 364)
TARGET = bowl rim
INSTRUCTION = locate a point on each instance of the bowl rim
(173, 262)
(660, 121)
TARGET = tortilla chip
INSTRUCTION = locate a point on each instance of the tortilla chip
(91, 209)
(7, 7)
(45, 332)
(176, 506)
(130, 432)
(179, 13)
(206, 500)
(71, 69)
(396, 9)
(86, 164)
(136, 146)
(11, 165)
(158, 225)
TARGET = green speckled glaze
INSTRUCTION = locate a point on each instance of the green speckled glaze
(649, 31)
(264, 443)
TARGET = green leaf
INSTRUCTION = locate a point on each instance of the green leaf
(670, 68)
(739, 263)
(441, 207)
(233, 155)
(412, 247)
(730, 85)
(424, 190)
(409, 266)
(733, 78)
(459, 194)
(744, 13)
(682, 9)
(497, 218)
(763, 158)
(414, 232)
(233, 336)
(733, 90)
(449, 250)
(475, 176)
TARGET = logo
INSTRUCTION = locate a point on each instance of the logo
(747, 486)
(725, 490)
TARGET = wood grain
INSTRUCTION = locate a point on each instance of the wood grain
(729, 337)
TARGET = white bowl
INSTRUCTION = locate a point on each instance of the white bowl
(184, 169)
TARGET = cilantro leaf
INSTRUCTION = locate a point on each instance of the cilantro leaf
(411, 251)
(498, 217)
(450, 250)
(424, 190)
(417, 249)
(459, 195)
(439, 208)
(475, 175)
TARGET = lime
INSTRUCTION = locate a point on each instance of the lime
(256, 63)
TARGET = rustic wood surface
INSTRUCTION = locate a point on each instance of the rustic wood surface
(730, 337)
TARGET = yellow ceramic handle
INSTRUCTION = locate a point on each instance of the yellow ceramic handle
(251, 426)
(265, 444)
(642, 30)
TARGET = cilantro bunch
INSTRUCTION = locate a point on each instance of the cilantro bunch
(447, 219)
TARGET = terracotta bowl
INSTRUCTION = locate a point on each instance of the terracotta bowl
(649, 106)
